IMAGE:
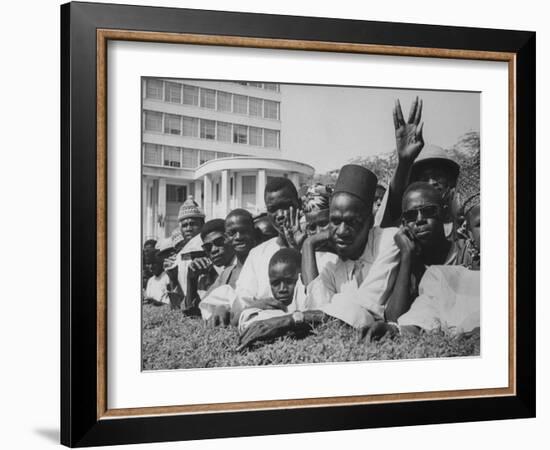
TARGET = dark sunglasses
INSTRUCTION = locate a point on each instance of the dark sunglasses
(428, 212)
(218, 242)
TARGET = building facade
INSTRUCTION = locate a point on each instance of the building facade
(217, 141)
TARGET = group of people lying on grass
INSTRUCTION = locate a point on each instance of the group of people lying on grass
(396, 262)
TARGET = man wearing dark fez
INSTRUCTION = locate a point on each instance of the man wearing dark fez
(355, 288)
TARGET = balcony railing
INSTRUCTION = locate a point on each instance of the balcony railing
(177, 157)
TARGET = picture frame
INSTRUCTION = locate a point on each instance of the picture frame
(86, 419)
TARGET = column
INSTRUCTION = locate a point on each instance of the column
(224, 194)
(260, 187)
(207, 192)
(146, 209)
(198, 193)
(161, 212)
(238, 190)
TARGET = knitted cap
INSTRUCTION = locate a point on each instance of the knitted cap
(190, 209)
(358, 181)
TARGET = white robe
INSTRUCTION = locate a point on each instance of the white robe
(336, 290)
(448, 299)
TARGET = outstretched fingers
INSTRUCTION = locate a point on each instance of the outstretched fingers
(399, 113)
(418, 113)
(413, 111)
(419, 136)
(395, 118)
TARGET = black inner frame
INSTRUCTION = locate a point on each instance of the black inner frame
(79, 425)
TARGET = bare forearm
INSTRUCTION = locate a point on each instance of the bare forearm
(309, 263)
(400, 301)
(398, 185)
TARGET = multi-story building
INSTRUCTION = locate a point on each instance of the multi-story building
(217, 141)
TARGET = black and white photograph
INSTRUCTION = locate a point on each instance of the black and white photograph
(298, 224)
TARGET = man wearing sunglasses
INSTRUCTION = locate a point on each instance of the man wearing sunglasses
(242, 236)
(422, 242)
(204, 271)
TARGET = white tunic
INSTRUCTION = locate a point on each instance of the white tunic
(194, 245)
(253, 282)
(356, 291)
(251, 315)
(157, 288)
(448, 299)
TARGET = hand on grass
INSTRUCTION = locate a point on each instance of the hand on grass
(264, 330)
(220, 317)
(379, 330)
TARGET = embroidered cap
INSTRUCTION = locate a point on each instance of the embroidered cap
(190, 209)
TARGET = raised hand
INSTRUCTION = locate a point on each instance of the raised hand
(292, 229)
(408, 135)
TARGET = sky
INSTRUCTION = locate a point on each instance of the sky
(326, 126)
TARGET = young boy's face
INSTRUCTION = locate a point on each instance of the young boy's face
(422, 214)
(283, 277)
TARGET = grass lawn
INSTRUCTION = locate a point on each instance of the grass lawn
(172, 341)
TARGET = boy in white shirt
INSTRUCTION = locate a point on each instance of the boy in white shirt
(158, 286)
(288, 298)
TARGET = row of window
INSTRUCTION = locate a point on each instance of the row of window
(210, 129)
(211, 99)
(169, 156)
(267, 86)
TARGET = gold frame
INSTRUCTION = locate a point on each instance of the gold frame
(103, 36)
